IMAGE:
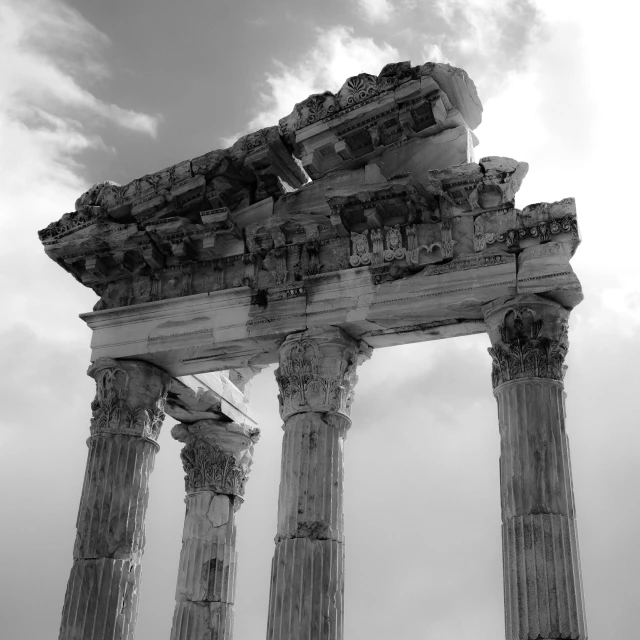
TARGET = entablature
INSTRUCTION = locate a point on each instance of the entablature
(398, 244)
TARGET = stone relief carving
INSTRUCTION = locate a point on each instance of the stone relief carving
(111, 413)
(360, 254)
(239, 217)
(512, 237)
(217, 455)
(312, 381)
(208, 467)
(394, 222)
(524, 352)
(313, 265)
(358, 91)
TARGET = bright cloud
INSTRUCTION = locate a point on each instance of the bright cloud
(50, 55)
(336, 55)
(433, 53)
(376, 11)
(49, 51)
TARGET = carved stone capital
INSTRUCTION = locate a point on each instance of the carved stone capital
(317, 372)
(218, 455)
(529, 339)
(130, 398)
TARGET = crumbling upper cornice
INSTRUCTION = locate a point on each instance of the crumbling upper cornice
(395, 192)
(396, 76)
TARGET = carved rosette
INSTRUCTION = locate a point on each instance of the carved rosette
(529, 339)
(317, 372)
(217, 456)
(128, 400)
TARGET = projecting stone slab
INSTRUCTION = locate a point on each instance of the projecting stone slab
(545, 269)
(421, 155)
(372, 114)
(211, 395)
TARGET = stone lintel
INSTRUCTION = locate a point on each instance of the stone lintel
(228, 330)
(224, 330)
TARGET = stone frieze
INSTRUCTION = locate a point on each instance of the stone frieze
(413, 220)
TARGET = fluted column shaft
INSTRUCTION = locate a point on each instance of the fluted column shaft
(216, 459)
(542, 580)
(101, 602)
(316, 379)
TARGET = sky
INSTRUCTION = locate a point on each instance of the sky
(91, 91)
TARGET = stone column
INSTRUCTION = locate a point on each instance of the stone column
(316, 377)
(216, 459)
(101, 601)
(542, 581)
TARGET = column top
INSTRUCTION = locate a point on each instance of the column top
(130, 398)
(317, 371)
(529, 337)
(218, 455)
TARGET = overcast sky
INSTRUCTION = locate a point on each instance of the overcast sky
(93, 90)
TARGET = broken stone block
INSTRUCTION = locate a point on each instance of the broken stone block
(545, 269)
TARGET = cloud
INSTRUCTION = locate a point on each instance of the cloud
(49, 51)
(433, 53)
(48, 117)
(336, 55)
(376, 11)
(488, 39)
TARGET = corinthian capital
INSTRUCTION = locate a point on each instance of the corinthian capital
(317, 372)
(130, 398)
(529, 339)
(217, 455)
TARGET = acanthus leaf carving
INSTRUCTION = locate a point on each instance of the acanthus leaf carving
(524, 352)
(112, 414)
(217, 455)
(312, 381)
(208, 467)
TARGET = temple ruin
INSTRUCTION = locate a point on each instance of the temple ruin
(361, 221)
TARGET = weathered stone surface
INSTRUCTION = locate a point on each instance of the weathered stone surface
(208, 559)
(218, 455)
(542, 582)
(545, 269)
(529, 337)
(101, 602)
(216, 458)
(212, 395)
(418, 156)
(272, 255)
(102, 594)
(307, 590)
(316, 378)
(225, 331)
(317, 372)
(312, 477)
(207, 620)
(115, 495)
(235, 260)
(372, 114)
